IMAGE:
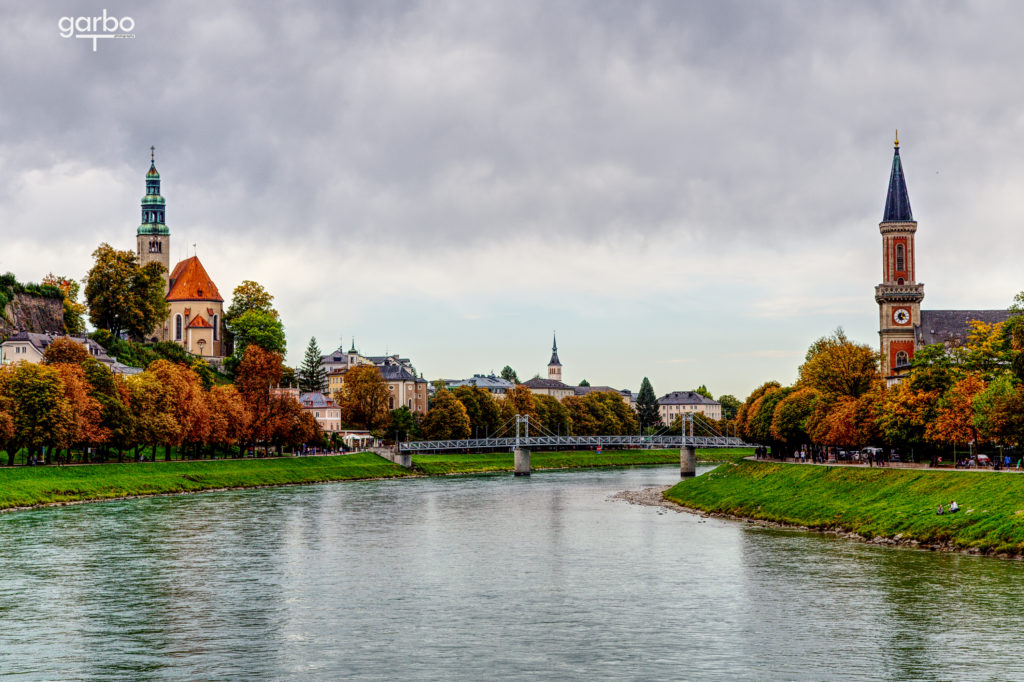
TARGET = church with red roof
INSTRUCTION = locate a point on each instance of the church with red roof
(196, 319)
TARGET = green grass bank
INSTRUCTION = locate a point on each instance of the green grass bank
(888, 503)
(39, 486)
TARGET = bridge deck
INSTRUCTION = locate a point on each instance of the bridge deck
(661, 442)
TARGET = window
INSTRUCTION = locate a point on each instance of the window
(900, 259)
(215, 327)
(391, 403)
(177, 327)
(902, 358)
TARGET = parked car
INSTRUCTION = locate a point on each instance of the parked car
(984, 461)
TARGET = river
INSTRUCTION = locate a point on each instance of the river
(479, 578)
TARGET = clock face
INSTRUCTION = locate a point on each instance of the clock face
(901, 316)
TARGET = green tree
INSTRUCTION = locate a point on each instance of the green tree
(259, 328)
(647, 405)
(730, 406)
(703, 390)
(311, 375)
(446, 418)
(789, 420)
(509, 374)
(584, 382)
(403, 424)
(249, 295)
(124, 297)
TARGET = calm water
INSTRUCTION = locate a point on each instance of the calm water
(482, 578)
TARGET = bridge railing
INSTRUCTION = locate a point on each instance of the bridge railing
(574, 441)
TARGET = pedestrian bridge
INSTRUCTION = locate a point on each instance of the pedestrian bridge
(574, 442)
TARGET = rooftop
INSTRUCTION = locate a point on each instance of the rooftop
(686, 398)
(190, 282)
(952, 326)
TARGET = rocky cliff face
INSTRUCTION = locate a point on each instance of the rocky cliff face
(29, 313)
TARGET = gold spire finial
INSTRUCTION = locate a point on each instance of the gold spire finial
(152, 154)
(896, 142)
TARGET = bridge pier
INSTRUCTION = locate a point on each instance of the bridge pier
(687, 461)
(522, 461)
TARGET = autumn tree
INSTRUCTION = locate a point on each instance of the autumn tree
(124, 296)
(600, 414)
(789, 420)
(837, 366)
(65, 350)
(446, 418)
(518, 400)
(747, 409)
(37, 406)
(85, 416)
(257, 373)
(954, 416)
(112, 393)
(190, 406)
(483, 410)
(311, 375)
(647, 410)
(229, 417)
(363, 398)
(553, 415)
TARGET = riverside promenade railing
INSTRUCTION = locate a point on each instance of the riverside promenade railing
(508, 443)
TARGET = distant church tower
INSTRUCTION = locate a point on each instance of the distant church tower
(554, 367)
(153, 239)
(899, 295)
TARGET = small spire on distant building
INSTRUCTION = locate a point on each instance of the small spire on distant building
(896, 141)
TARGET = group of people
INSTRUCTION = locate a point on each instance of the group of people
(953, 508)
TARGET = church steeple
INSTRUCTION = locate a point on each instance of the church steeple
(554, 367)
(897, 201)
(154, 206)
(152, 238)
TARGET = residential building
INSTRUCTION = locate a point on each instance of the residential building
(495, 385)
(404, 386)
(551, 387)
(581, 391)
(326, 412)
(678, 403)
(29, 347)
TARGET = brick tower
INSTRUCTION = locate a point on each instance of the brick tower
(899, 295)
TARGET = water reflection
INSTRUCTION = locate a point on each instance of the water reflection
(477, 578)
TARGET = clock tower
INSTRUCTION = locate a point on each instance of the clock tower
(899, 295)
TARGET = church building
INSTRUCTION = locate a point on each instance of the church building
(903, 327)
(196, 319)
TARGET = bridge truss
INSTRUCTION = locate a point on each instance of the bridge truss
(567, 442)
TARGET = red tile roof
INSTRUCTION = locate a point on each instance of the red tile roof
(199, 322)
(190, 282)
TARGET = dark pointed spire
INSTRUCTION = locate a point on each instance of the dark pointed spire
(554, 352)
(897, 201)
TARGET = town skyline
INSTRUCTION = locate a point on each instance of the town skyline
(695, 247)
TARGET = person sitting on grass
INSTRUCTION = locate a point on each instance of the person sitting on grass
(953, 508)
(939, 512)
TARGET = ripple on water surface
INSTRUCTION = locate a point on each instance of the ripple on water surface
(480, 578)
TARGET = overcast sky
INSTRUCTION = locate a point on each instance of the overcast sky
(688, 191)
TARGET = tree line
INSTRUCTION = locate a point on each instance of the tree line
(953, 396)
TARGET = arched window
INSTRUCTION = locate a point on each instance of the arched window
(900, 259)
(177, 327)
(391, 403)
(902, 358)
(216, 326)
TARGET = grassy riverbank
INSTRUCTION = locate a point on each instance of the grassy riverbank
(38, 486)
(890, 503)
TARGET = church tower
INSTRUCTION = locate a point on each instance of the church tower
(554, 367)
(899, 295)
(153, 239)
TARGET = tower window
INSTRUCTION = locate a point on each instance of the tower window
(902, 358)
(900, 259)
